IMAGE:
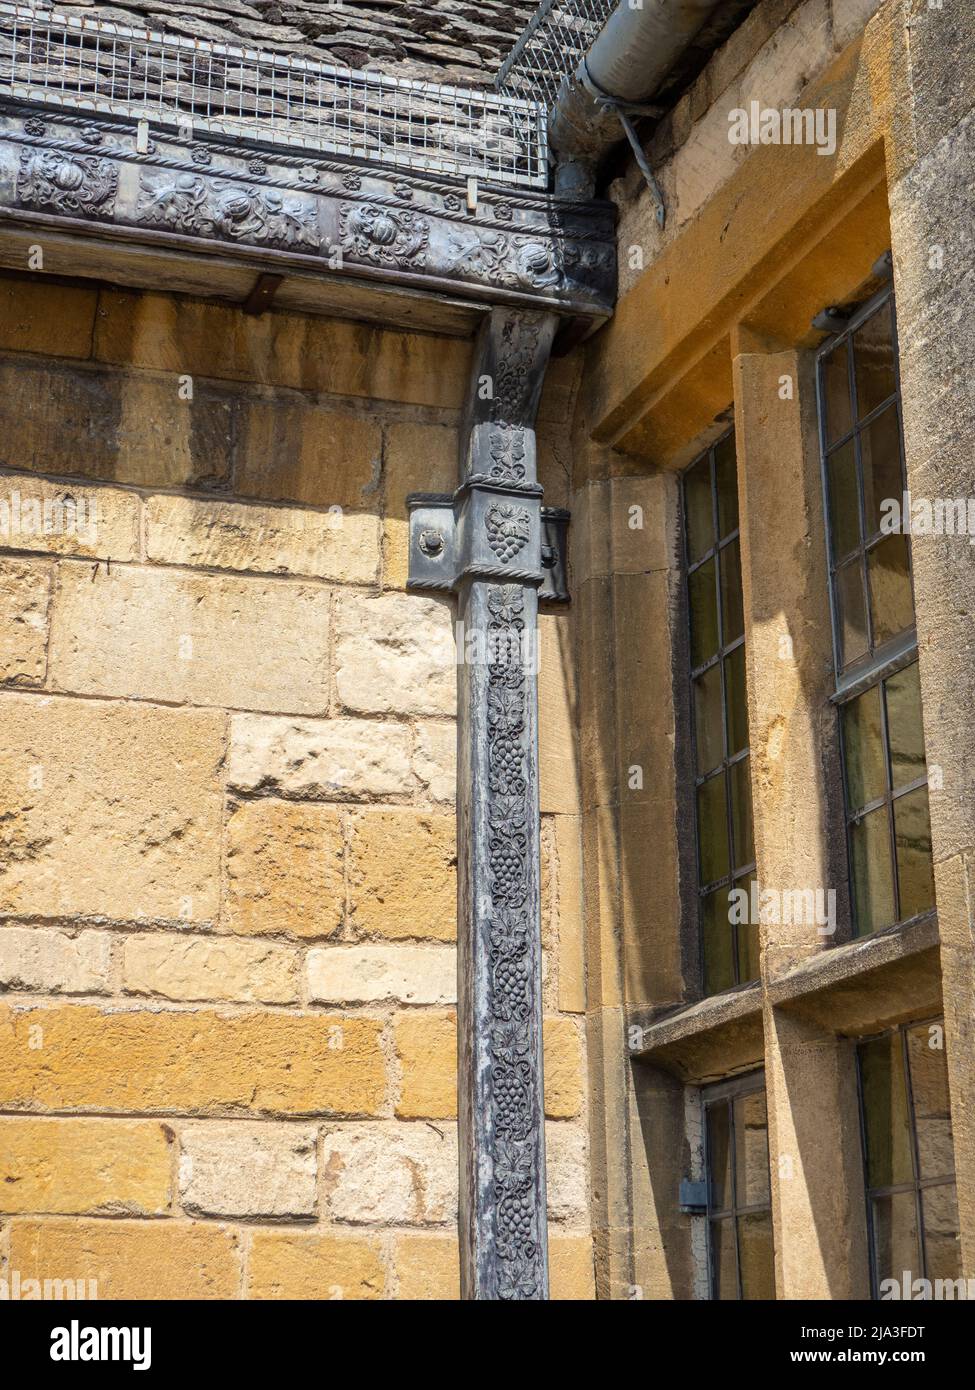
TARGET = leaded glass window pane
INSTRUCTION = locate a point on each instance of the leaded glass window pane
(725, 838)
(878, 690)
(908, 1155)
(740, 1243)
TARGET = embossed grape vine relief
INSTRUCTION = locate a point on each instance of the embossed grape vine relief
(511, 962)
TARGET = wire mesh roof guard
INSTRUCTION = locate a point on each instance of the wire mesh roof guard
(77, 61)
(558, 37)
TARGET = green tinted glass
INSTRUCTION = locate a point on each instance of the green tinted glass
(742, 833)
(873, 356)
(704, 614)
(887, 1122)
(749, 967)
(912, 834)
(844, 505)
(904, 727)
(708, 728)
(736, 697)
(909, 1157)
(717, 942)
(836, 393)
(732, 613)
(891, 595)
(698, 509)
(852, 613)
(739, 1192)
(712, 829)
(719, 707)
(723, 1259)
(883, 475)
(895, 1238)
(873, 880)
(726, 482)
(863, 749)
(756, 1255)
(719, 1156)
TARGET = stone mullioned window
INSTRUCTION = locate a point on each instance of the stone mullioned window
(874, 636)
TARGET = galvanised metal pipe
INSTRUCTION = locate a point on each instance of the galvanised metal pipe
(629, 59)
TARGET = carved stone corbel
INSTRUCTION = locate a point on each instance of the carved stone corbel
(491, 545)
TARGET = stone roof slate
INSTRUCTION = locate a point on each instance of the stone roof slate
(460, 41)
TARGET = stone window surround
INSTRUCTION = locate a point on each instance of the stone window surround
(846, 990)
(835, 984)
(850, 989)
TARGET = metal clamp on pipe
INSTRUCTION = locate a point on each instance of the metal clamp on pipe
(624, 110)
(629, 59)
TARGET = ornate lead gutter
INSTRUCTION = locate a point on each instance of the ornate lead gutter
(206, 194)
(486, 544)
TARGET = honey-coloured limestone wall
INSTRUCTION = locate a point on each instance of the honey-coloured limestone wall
(227, 842)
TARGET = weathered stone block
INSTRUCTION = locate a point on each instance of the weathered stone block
(600, 857)
(426, 1049)
(285, 869)
(375, 974)
(99, 1167)
(57, 962)
(849, 18)
(554, 448)
(395, 655)
(343, 546)
(400, 1174)
(706, 160)
(248, 1170)
(25, 594)
(571, 1273)
(175, 966)
(190, 1062)
(65, 519)
(402, 874)
(435, 759)
(563, 1068)
(130, 1259)
(295, 451)
(39, 317)
(339, 356)
(159, 634)
(427, 1267)
(799, 49)
(644, 662)
(567, 1173)
(313, 1265)
(558, 751)
(599, 758)
(321, 760)
(128, 427)
(568, 891)
(86, 830)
